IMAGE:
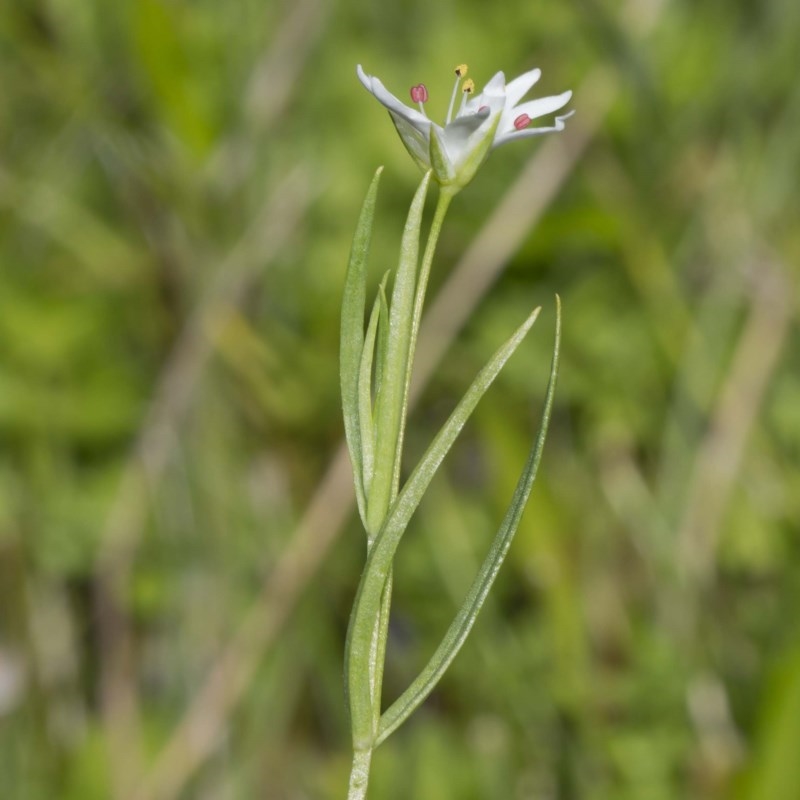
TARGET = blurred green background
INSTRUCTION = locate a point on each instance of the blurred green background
(179, 182)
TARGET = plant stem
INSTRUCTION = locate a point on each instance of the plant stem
(359, 775)
(370, 661)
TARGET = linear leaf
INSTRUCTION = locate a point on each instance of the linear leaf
(389, 402)
(422, 686)
(383, 337)
(366, 427)
(379, 561)
(352, 334)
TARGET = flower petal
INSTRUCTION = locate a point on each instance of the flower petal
(457, 135)
(533, 108)
(493, 95)
(526, 133)
(386, 98)
(521, 85)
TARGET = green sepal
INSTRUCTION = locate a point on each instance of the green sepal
(440, 160)
(456, 177)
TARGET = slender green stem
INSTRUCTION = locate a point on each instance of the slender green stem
(359, 775)
(382, 635)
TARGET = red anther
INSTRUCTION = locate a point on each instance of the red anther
(522, 121)
(419, 94)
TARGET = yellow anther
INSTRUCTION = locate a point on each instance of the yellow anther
(461, 70)
(469, 86)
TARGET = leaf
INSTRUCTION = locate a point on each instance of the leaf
(379, 561)
(383, 337)
(366, 425)
(456, 635)
(389, 401)
(352, 335)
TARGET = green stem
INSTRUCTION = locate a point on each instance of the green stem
(359, 775)
(381, 637)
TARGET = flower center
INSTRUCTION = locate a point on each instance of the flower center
(419, 93)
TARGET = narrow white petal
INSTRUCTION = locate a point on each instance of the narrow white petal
(521, 85)
(533, 108)
(374, 86)
(497, 83)
(526, 133)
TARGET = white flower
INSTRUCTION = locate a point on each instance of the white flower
(483, 122)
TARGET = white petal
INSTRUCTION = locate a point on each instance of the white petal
(457, 135)
(520, 86)
(526, 133)
(385, 97)
(533, 108)
(493, 95)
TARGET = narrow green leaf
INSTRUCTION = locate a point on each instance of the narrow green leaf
(379, 561)
(389, 401)
(383, 338)
(366, 427)
(352, 335)
(422, 686)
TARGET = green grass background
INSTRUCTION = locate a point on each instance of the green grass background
(179, 182)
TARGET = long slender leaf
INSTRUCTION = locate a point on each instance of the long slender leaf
(389, 401)
(379, 561)
(352, 335)
(366, 426)
(422, 686)
(383, 338)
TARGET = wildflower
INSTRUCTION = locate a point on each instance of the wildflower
(482, 122)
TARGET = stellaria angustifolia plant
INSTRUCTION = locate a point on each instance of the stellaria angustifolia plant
(375, 369)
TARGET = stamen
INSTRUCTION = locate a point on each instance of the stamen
(467, 89)
(522, 121)
(461, 71)
(419, 94)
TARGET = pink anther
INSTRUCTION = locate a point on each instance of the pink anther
(522, 121)
(419, 94)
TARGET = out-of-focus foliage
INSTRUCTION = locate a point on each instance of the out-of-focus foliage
(179, 182)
